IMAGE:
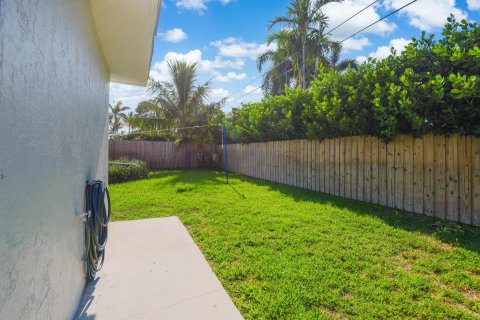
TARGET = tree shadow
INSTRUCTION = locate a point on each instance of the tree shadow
(448, 232)
(194, 176)
(453, 233)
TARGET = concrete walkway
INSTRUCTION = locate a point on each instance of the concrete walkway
(154, 270)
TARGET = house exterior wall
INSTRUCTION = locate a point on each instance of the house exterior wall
(53, 137)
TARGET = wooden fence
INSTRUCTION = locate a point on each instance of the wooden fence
(437, 176)
(159, 154)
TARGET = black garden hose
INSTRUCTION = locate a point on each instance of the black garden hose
(97, 205)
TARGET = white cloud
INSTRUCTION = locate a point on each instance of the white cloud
(198, 5)
(361, 59)
(231, 76)
(217, 94)
(226, 66)
(236, 48)
(253, 90)
(207, 67)
(428, 14)
(174, 35)
(338, 11)
(473, 4)
(130, 95)
(254, 95)
(384, 51)
(356, 44)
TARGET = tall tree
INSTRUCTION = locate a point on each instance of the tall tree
(116, 116)
(182, 98)
(281, 74)
(130, 121)
(179, 102)
(334, 59)
(150, 117)
(300, 40)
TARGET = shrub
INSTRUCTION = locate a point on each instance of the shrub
(431, 87)
(130, 171)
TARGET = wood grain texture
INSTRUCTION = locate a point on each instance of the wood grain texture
(440, 176)
(375, 179)
(452, 205)
(354, 168)
(399, 172)
(465, 179)
(408, 173)
(418, 176)
(367, 170)
(476, 182)
(434, 175)
(361, 168)
(382, 174)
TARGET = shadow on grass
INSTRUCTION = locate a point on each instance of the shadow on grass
(457, 234)
(189, 175)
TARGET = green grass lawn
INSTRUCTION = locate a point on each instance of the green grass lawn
(286, 253)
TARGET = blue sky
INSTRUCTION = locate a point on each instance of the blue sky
(225, 37)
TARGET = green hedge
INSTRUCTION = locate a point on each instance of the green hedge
(127, 171)
(431, 87)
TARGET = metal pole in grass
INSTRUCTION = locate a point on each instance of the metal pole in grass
(225, 150)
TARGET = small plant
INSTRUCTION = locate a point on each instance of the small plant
(127, 171)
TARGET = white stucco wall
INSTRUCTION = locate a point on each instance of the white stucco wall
(53, 122)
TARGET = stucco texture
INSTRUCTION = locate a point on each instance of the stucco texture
(53, 122)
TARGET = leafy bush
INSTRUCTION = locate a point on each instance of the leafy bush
(127, 171)
(431, 87)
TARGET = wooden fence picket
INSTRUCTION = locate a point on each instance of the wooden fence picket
(433, 175)
(440, 180)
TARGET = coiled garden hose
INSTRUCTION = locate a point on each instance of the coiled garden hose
(97, 204)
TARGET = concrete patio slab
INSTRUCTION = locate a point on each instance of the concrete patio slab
(154, 270)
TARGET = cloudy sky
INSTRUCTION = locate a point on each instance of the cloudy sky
(226, 36)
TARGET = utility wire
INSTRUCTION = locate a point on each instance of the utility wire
(167, 130)
(250, 92)
(298, 51)
(379, 20)
(356, 14)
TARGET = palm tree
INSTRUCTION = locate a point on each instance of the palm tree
(180, 102)
(281, 74)
(130, 120)
(180, 98)
(116, 116)
(302, 36)
(334, 59)
(148, 117)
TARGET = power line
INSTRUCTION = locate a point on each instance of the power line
(250, 92)
(167, 130)
(356, 14)
(298, 51)
(247, 84)
(356, 33)
(381, 19)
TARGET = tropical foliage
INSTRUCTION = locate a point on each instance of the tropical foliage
(301, 46)
(178, 103)
(432, 86)
(116, 116)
